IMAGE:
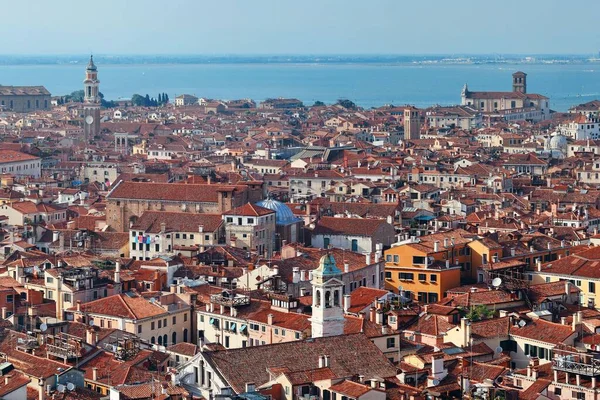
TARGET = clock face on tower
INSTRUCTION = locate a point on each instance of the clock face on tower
(89, 120)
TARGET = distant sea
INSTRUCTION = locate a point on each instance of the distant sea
(369, 82)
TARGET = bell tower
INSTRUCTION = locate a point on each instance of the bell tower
(520, 82)
(91, 102)
(327, 312)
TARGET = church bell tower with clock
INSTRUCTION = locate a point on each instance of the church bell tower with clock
(91, 102)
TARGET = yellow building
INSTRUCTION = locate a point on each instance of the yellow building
(581, 269)
(528, 249)
(428, 266)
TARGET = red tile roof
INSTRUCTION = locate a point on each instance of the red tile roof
(172, 192)
(348, 226)
(363, 297)
(123, 306)
(349, 355)
(249, 210)
(350, 389)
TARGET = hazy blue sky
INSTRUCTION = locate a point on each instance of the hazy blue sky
(298, 26)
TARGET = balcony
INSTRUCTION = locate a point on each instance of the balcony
(230, 299)
(577, 363)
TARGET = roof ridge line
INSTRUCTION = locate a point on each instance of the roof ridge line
(127, 305)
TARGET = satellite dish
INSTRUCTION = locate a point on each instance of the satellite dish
(89, 120)
(496, 282)
(43, 327)
(91, 322)
(499, 349)
(436, 382)
(522, 323)
(70, 387)
(61, 388)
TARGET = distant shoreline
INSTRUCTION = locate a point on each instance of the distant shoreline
(390, 60)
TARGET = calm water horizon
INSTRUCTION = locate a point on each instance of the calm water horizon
(367, 84)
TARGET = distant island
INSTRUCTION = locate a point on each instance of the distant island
(302, 59)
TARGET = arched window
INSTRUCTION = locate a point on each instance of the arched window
(336, 298)
(174, 338)
(165, 339)
(185, 338)
(318, 303)
(160, 342)
(153, 340)
(327, 299)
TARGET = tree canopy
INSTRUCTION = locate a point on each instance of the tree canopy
(477, 313)
(147, 101)
(347, 104)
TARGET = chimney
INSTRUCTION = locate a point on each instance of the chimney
(173, 288)
(295, 275)
(163, 227)
(465, 326)
(346, 267)
(270, 319)
(6, 379)
(436, 246)
(326, 360)
(90, 336)
(95, 373)
(513, 252)
(372, 312)
(567, 288)
(563, 320)
(321, 361)
(575, 322)
(447, 264)
(438, 372)
(4, 312)
(379, 317)
(61, 242)
(538, 263)
(347, 303)
(117, 272)
(377, 256)
(55, 235)
(445, 242)
(368, 258)
(78, 305)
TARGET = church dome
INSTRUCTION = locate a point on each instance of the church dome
(558, 142)
(283, 214)
(327, 266)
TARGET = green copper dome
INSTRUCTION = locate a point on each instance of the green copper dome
(327, 266)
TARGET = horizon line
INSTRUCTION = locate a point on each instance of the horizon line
(290, 54)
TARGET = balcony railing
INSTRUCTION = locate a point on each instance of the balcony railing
(581, 364)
